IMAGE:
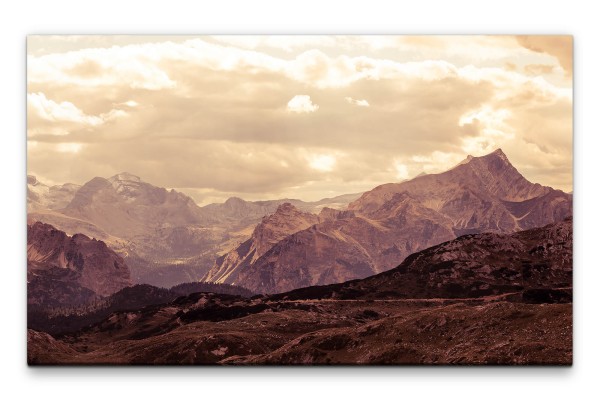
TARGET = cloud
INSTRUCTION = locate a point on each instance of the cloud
(50, 110)
(560, 47)
(401, 170)
(45, 116)
(356, 102)
(287, 43)
(492, 129)
(322, 162)
(302, 104)
(538, 69)
(69, 147)
(224, 119)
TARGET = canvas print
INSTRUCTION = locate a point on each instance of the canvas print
(299, 200)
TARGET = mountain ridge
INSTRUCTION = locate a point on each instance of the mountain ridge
(386, 224)
(75, 260)
(286, 220)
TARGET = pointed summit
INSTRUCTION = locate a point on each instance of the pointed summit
(498, 154)
(493, 173)
(234, 200)
(286, 208)
(273, 228)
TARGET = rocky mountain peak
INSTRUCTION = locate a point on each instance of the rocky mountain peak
(234, 200)
(273, 228)
(286, 209)
(500, 153)
(91, 263)
(125, 176)
(496, 159)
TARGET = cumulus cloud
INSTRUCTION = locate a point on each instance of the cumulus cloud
(222, 118)
(46, 116)
(302, 104)
(357, 102)
(50, 110)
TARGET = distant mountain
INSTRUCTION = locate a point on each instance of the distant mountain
(158, 231)
(65, 270)
(42, 196)
(286, 220)
(237, 209)
(165, 237)
(125, 206)
(386, 224)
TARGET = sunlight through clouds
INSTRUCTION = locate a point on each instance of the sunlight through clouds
(322, 162)
(358, 111)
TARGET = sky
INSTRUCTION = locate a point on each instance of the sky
(306, 117)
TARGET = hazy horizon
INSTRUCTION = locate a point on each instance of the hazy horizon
(304, 117)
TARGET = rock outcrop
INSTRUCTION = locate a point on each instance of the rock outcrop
(54, 257)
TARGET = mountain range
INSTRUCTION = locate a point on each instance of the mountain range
(385, 225)
(164, 236)
(276, 246)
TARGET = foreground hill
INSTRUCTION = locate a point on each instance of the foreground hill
(54, 318)
(388, 223)
(480, 299)
(536, 262)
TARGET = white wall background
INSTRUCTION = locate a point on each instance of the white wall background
(17, 19)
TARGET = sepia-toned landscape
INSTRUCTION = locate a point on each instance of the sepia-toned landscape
(299, 200)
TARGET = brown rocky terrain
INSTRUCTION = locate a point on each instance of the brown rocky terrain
(213, 329)
(533, 263)
(409, 315)
(388, 223)
(56, 260)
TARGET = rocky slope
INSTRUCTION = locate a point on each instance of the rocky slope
(56, 261)
(385, 225)
(286, 220)
(532, 263)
